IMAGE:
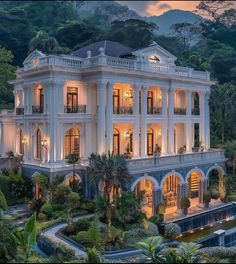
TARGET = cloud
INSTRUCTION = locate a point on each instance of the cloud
(164, 6)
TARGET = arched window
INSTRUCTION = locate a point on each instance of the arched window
(38, 144)
(21, 145)
(72, 142)
(116, 142)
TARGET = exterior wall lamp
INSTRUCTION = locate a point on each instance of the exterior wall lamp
(24, 140)
(44, 143)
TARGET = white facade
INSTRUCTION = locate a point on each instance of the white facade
(155, 99)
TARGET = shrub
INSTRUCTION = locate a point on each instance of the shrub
(207, 197)
(83, 224)
(220, 252)
(47, 209)
(42, 217)
(59, 195)
(58, 207)
(88, 206)
(3, 202)
(69, 230)
(160, 208)
(155, 220)
(5, 186)
(113, 238)
(172, 230)
(185, 203)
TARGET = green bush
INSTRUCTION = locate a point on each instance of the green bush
(59, 196)
(42, 217)
(47, 209)
(215, 194)
(3, 202)
(185, 203)
(69, 230)
(83, 224)
(88, 206)
(58, 207)
(160, 208)
(207, 197)
(5, 186)
(155, 220)
(172, 230)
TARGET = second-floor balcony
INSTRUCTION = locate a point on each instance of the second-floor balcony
(179, 111)
(123, 110)
(154, 110)
(75, 109)
(37, 109)
(20, 111)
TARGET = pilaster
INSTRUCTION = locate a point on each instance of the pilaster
(164, 122)
(109, 117)
(144, 121)
(136, 121)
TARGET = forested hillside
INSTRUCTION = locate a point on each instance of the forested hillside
(57, 27)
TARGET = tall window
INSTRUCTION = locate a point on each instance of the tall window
(41, 100)
(116, 101)
(72, 99)
(21, 149)
(38, 144)
(150, 102)
(72, 142)
(150, 142)
(116, 142)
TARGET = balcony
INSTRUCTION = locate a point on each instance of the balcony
(37, 109)
(75, 109)
(171, 161)
(154, 110)
(195, 111)
(20, 111)
(179, 111)
(123, 110)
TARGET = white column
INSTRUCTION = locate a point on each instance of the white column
(171, 120)
(109, 117)
(164, 122)
(207, 121)
(101, 119)
(144, 122)
(203, 119)
(189, 125)
(136, 121)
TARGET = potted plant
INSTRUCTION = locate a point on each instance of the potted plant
(185, 204)
(157, 150)
(160, 211)
(181, 150)
(207, 198)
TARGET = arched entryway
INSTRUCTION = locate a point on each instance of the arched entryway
(171, 192)
(72, 142)
(144, 187)
(194, 180)
(215, 176)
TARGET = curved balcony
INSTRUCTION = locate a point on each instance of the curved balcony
(123, 110)
(75, 109)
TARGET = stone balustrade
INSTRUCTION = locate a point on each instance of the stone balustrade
(213, 155)
(103, 60)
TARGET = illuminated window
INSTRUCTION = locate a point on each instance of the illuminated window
(72, 142)
(154, 58)
(36, 61)
(38, 144)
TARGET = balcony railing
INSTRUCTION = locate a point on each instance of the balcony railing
(131, 64)
(195, 111)
(179, 111)
(19, 110)
(75, 109)
(37, 109)
(214, 155)
(154, 110)
(127, 110)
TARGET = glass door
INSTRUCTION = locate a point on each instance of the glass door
(150, 142)
(72, 100)
(116, 101)
(150, 102)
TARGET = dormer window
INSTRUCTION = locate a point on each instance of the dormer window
(154, 58)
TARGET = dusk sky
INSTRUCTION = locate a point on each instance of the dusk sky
(155, 8)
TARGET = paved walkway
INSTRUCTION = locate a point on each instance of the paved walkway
(51, 234)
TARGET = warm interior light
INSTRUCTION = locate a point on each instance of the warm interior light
(154, 58)
(126, 134)
(36, 61)
(44, 142)
(24, 140)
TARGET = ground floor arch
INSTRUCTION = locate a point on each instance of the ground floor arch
(215, 176)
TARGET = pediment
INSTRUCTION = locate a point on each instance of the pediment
(33, 56)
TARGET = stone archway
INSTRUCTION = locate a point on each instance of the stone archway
(171, 191)
(195, 181)
(215, 177)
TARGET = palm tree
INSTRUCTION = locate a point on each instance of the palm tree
(112, 171)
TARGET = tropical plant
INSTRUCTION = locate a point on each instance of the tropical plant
(94, 256)
(172, 230)
(185, 204)
(42, 182)
(93, 237)
(60, 193)
(47, 209)
(27, 237)
(230, 153)
(151, 246)
(72, 202)
(3, 202)
(112, 170)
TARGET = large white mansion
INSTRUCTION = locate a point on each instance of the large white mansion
(108, 97)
